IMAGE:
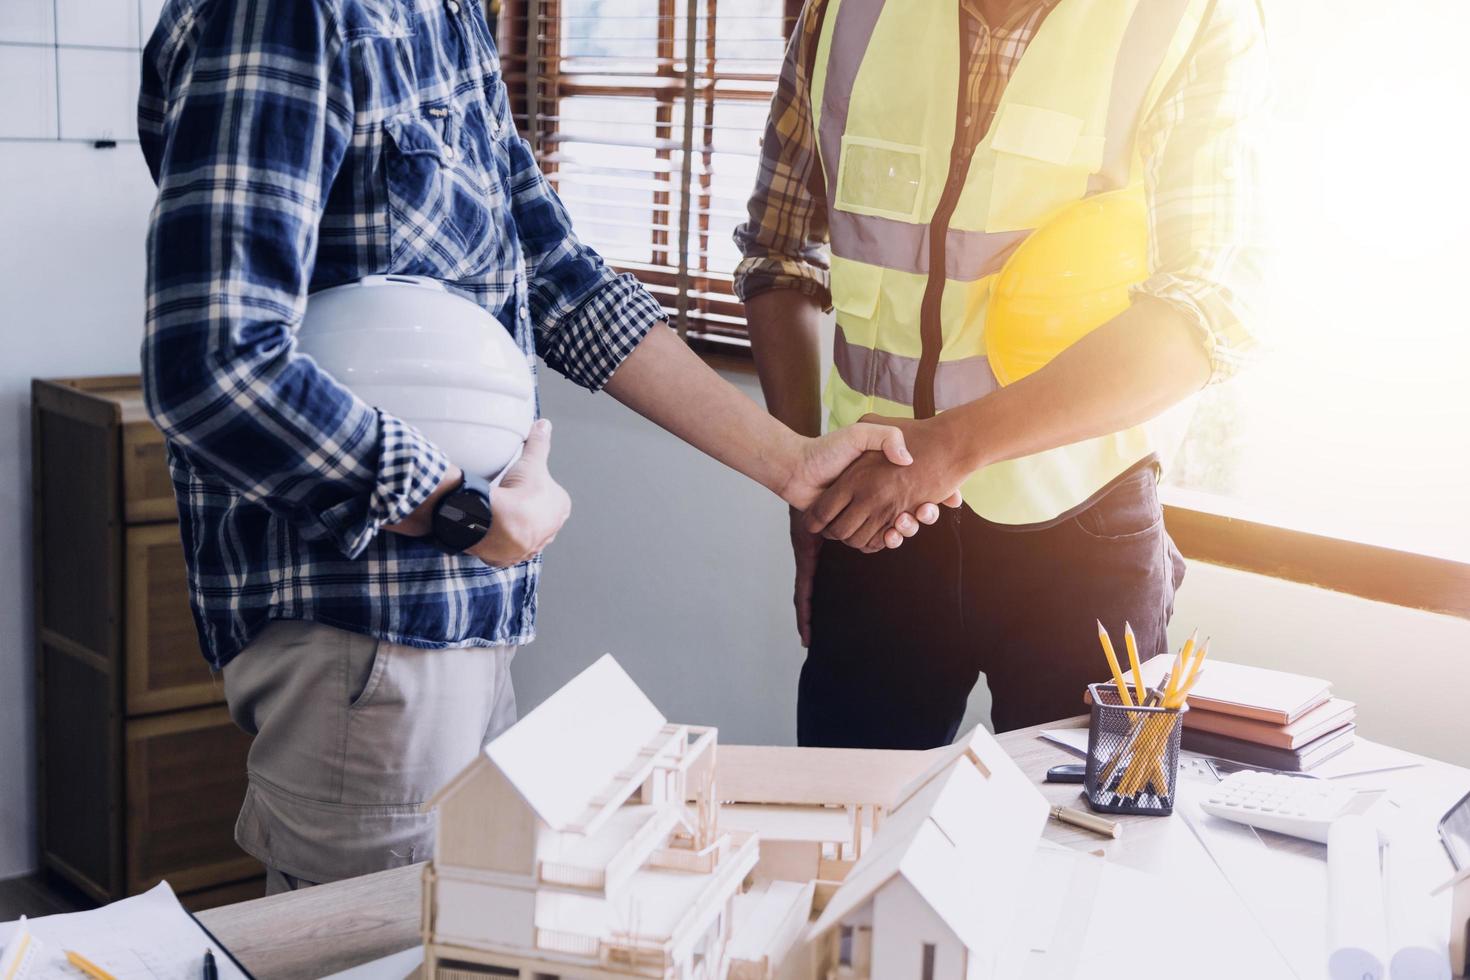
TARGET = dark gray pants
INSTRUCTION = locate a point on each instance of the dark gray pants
(352, 735)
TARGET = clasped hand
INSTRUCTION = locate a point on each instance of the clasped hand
(882, 497)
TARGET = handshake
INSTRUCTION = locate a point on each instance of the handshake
(871, 484)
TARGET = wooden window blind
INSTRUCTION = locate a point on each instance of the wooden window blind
(647, 116)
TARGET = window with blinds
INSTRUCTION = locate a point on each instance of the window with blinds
(647, 117)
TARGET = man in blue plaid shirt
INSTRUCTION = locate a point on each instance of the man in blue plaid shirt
(300, 144)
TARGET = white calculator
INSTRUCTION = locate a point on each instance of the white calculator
(1290, 805)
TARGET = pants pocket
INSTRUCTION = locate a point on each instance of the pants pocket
(365, 673)
(1129, 510)
(422, 716)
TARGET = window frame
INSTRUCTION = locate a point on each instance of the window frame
(693, 288)
(1219, 531)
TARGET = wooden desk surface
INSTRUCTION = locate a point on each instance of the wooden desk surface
(321, 930)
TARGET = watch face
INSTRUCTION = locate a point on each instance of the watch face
(462, 520)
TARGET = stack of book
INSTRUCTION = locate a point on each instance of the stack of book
(1258, 717)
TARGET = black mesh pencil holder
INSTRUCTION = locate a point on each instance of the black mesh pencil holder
(1132, 754)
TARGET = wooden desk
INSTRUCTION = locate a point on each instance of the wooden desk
(322, 930)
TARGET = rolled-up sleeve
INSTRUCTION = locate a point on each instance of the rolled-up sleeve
(257, 124)
(587, 317)
(784, 241)
(1201, 152)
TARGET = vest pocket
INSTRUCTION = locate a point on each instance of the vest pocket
(880, 178)
(1042, 161)
(855, 287)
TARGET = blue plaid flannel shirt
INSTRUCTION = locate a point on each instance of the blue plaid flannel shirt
(300, 144)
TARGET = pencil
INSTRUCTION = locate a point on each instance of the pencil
(87, 966)
(1199, 658)
(1176, 676)
(1107, 645)
(1133, 659)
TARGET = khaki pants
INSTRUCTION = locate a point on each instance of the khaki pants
(352, 734)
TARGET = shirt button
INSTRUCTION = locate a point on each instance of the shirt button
(453, 6)
(448, 152)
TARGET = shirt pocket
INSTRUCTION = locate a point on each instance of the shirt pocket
(445, 199)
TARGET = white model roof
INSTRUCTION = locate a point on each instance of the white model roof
(955, 832)
(561, 755)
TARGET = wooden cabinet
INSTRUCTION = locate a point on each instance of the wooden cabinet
(141, 771)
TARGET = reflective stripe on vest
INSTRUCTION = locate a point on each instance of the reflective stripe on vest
(1065, 128)
(891, 376)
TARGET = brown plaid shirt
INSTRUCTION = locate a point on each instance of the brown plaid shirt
(1200, 171)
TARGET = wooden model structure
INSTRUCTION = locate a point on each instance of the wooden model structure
(594, 839)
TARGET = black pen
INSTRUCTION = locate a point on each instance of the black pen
(210, 972)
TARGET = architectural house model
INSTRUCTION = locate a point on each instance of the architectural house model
(595, 839)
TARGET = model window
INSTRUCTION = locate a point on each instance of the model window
(926, 972)
(844, 946)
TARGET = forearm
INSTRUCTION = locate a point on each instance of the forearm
(671, 386)
(1124, 373)
(785, 339)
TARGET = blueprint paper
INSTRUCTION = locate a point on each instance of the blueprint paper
(146, 937)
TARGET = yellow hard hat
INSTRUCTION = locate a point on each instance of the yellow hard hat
(1069, 277)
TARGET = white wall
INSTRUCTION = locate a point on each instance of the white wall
(1408, 671)
(71, 283)
(71, 288)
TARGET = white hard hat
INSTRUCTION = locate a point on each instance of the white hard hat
(410, 347)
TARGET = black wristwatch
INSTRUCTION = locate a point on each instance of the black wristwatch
(462, 517)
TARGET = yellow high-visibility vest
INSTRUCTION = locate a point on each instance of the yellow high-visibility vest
(920, 226)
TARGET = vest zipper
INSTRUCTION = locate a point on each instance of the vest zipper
(931, 329)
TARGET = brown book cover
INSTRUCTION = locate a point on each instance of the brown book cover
(1330, 715)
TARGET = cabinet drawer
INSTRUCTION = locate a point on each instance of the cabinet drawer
(148, 490)
(220, 895)
(185, 783)
(165, 669)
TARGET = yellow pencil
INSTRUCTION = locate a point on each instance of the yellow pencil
(1176, 675)
(1132, 645)
(88, 967)
(1199, 658)
(1182, 694)
(1107, 645)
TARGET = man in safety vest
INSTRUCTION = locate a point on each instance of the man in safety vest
(1036, 223)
